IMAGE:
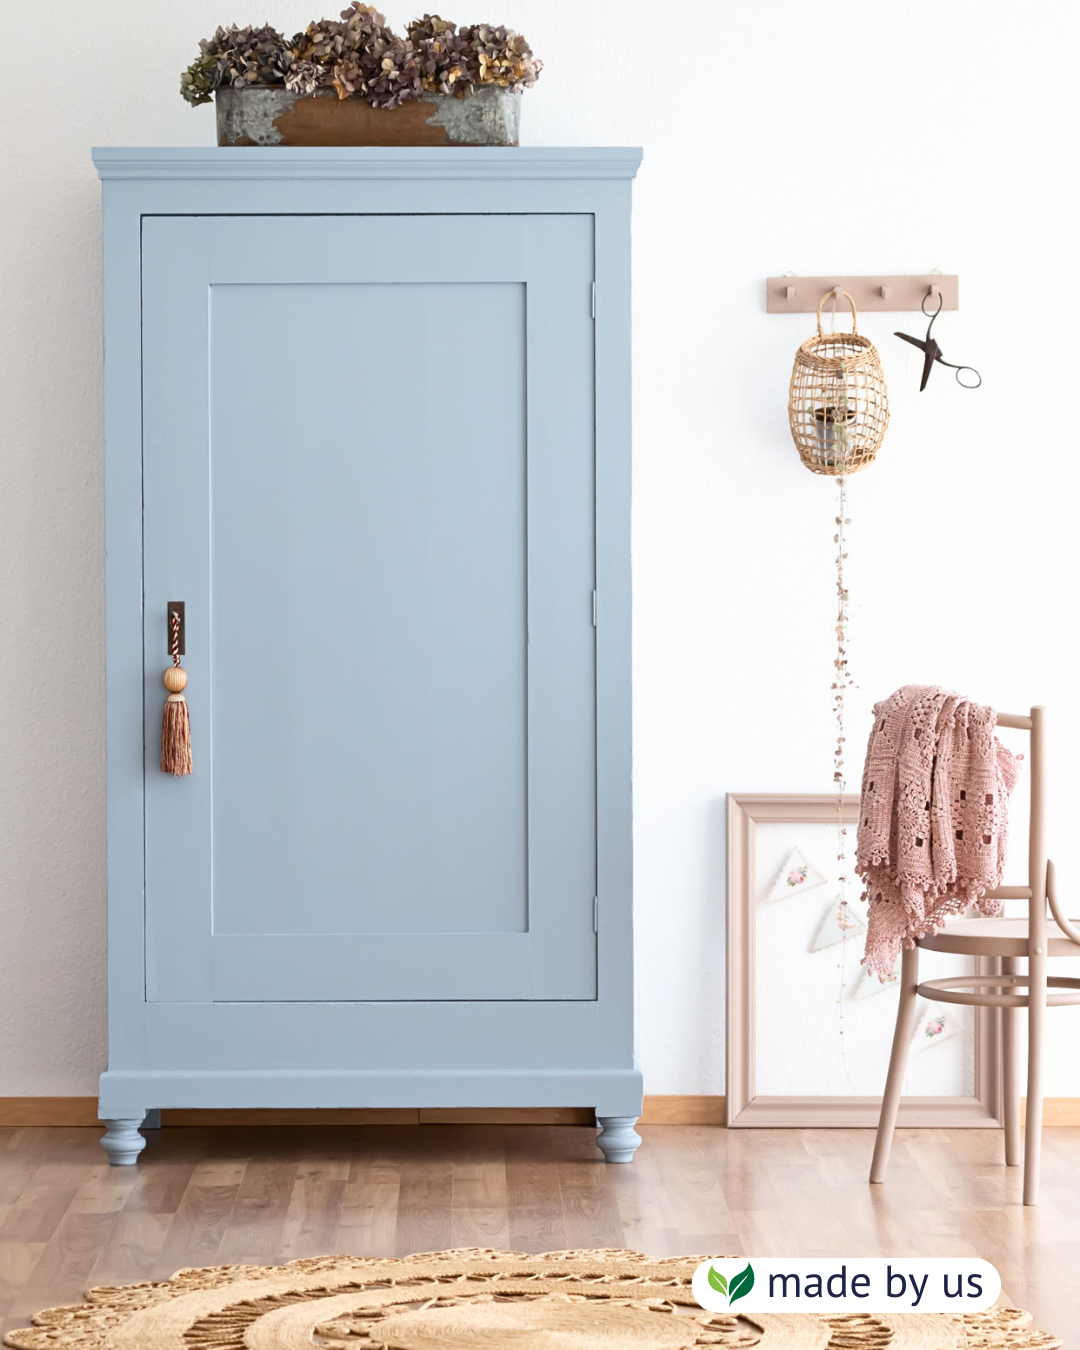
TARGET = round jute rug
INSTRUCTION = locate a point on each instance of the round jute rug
(479, 1300)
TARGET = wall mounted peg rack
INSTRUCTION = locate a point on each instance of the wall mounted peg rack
(800, 295)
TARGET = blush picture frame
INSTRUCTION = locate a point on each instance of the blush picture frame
(746, 1107)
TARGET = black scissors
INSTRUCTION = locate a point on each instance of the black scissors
(932, 352)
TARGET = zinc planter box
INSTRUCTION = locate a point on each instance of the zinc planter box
(273, 115)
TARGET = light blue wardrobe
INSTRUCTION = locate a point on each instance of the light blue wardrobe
(368, 418)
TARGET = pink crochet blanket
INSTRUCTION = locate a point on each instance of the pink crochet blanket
(934, 816)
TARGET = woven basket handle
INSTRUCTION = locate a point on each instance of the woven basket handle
(838, 294)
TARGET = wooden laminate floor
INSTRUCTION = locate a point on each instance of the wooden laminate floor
(214, 1196)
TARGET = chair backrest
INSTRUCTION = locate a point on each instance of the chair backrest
(1040, 887)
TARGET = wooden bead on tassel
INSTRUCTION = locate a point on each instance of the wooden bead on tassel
(175, 725)
(175, 679)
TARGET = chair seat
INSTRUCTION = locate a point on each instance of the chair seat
(995, 937)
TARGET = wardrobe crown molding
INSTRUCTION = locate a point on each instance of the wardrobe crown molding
(376, 162)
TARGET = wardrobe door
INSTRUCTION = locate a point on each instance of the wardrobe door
(369, 476)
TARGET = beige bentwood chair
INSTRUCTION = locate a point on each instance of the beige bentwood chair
(1006, 940)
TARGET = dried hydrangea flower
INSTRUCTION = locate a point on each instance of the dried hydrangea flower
(323, 42)
(443, 56)
(346, 75)
(202, 77)
(304, 77)
(236, 56)
(257, 55)
(501, 57)
(342, 47)
(431, 25)
(327, 41)
(363, 23)
(391, 72)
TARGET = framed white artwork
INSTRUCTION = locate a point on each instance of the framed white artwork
(809, 1032)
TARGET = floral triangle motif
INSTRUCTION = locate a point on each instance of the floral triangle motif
(936, 1024)
(797, 874)
(839, 921)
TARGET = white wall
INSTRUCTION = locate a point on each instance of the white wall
(778, 135)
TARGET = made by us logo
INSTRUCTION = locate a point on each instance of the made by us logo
(847, 1284)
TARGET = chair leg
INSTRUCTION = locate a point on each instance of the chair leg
(1033, 1124)
(1010, 1055)
(890, 1102)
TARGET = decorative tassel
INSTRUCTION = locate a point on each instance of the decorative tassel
(176, 721)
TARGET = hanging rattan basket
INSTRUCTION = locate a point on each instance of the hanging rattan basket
(837, 405)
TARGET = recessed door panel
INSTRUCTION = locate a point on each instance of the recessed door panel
(368, 622)
(368, 472)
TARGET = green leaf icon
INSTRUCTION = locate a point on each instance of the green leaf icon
(717, 1281)
(741, 1284)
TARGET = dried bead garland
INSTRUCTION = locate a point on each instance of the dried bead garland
(841, 683)
(838, 410)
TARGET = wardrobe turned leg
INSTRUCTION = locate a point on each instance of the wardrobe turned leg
(122, 1141)
(890, 1102)
(1010, 1062)
(618, 1139)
